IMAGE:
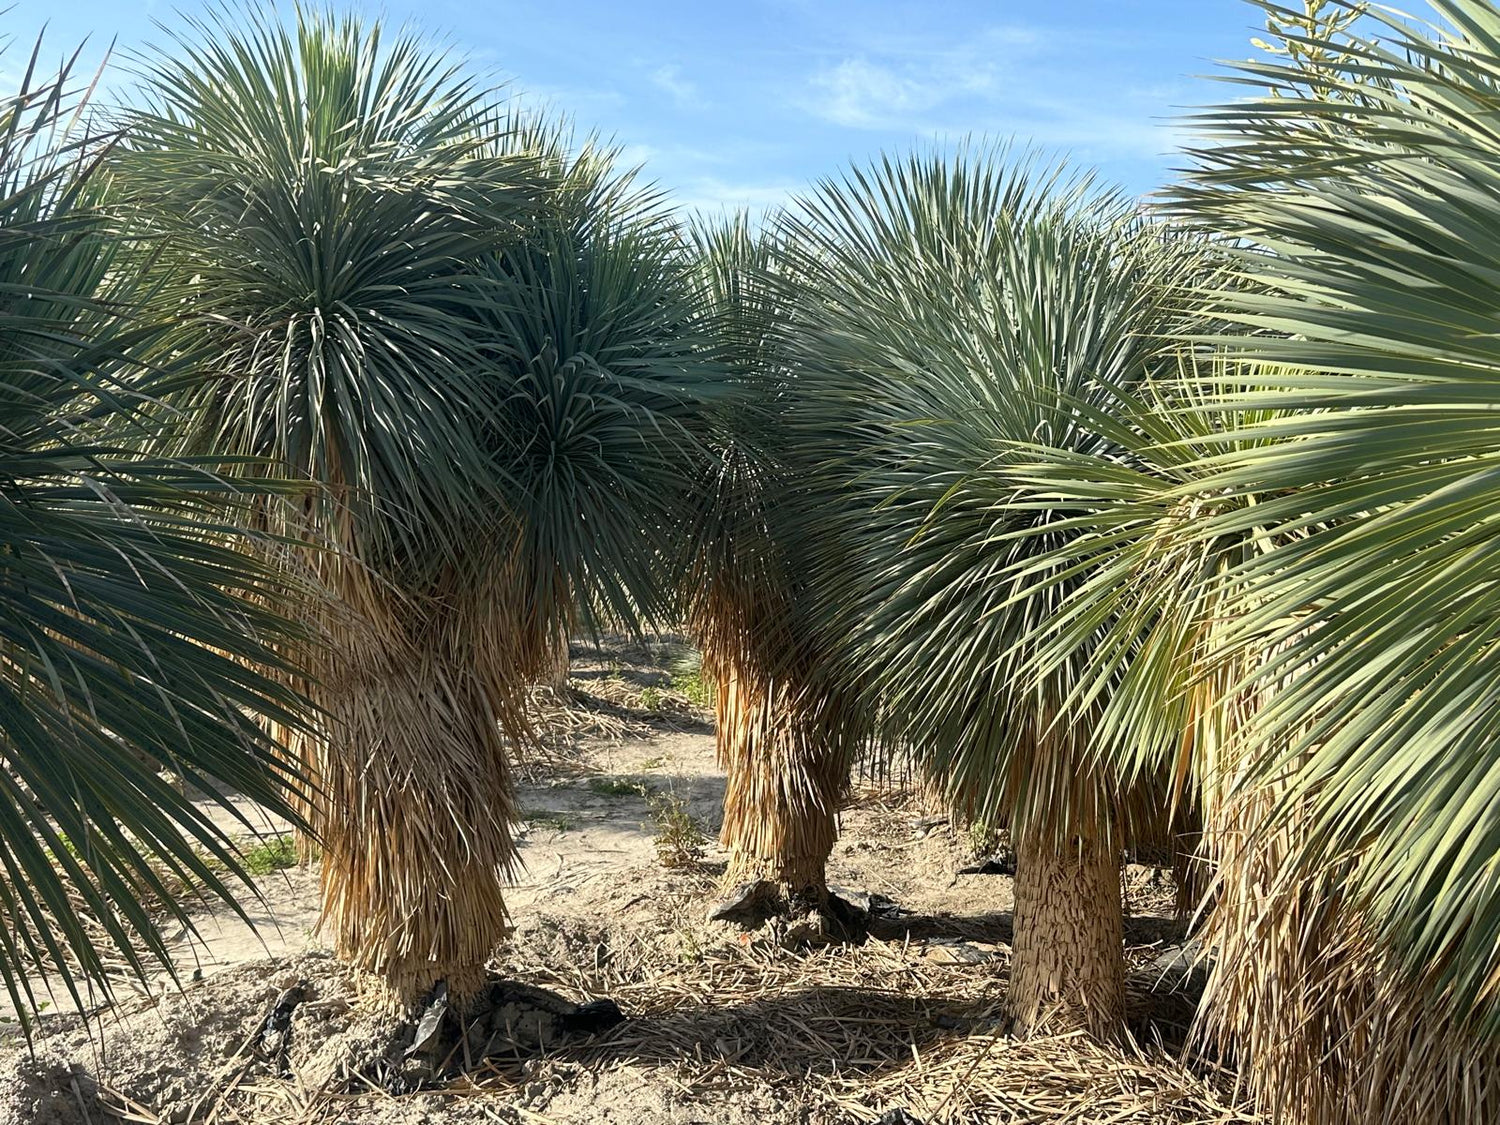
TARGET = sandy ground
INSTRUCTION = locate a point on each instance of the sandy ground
(723, 1026)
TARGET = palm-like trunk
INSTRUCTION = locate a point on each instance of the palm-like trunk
(560, 666)
(1068, 967)
(415, 800)
(1339, 1031)
(785, 740)
(417, 824)
(784, 780)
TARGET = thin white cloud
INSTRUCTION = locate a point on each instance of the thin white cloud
(711, 195)
(582, 103)
(670, 79)
(861, 94)
(992, 41)
(886, 85)
(999, 83)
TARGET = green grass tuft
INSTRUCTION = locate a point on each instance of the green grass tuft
(547, 818)
(693, 687)
(276, 853)
(620, 787)
(688, 680)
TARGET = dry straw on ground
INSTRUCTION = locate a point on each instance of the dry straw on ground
(854, 1031)
(837, 1034)
(723, 1027)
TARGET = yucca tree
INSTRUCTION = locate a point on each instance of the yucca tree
(786, 731)
(134, 637)
(321, 202)
(474, 356)
(1365, 194)
(962, 309)
(597, 367)
(1160, 550)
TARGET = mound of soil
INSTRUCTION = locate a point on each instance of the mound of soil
(174, 1057)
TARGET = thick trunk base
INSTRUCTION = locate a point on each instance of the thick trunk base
(798, 918)
(1068, 967)
(784, 781)
(801, 878)
(414, 814)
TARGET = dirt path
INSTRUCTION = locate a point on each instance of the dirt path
(579, 831)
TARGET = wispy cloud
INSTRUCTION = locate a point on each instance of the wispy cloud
(711, 195)
(887, 85)
(670, 79)
(1000, 82)
(580, 102)
(862, 94)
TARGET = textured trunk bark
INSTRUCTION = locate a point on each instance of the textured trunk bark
(781, 792)
(562, 664)
(800, 877)
(414, 807)
(1068, 967)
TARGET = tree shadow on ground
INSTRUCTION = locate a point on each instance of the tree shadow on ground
(623, 801)
(635, 677)
(1161, 1004)
(995, 927)
(675, 720)
(999, 927)
(822, 1029)
(814, 1029)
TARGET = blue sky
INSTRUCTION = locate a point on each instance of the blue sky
(743, 102)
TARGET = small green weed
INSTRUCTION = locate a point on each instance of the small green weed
(679, 837)
(983, 839)
(620, 787)
(276, 853)
(689, 948)
(689, 681)
(547, 818)
(68, 846)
